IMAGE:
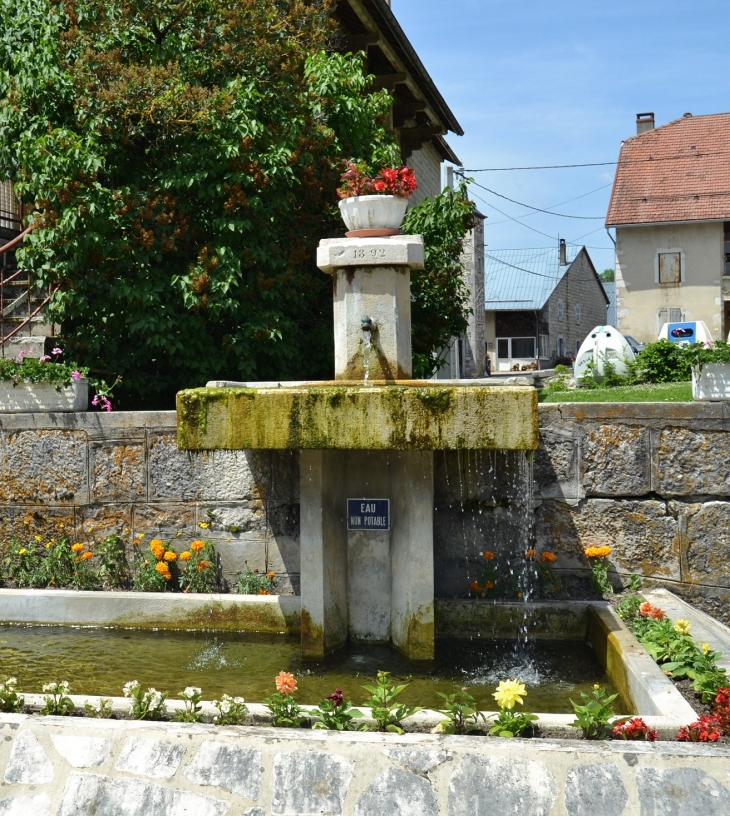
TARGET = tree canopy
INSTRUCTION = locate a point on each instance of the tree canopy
(180, 160)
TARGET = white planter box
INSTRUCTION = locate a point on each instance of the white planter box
(27, 398)
(373, 212)
(712, 382)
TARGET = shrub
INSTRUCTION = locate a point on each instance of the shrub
(663, 362)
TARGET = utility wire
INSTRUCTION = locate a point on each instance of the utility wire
(506, 215)
(527, 215)
(538, 209)
(696, 154)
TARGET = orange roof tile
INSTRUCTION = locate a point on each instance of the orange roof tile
(677, 172)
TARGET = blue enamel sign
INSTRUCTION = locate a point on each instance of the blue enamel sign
(368, 514)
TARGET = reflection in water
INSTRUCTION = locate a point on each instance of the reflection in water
(100, 661)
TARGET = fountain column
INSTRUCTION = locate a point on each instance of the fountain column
(368, 585)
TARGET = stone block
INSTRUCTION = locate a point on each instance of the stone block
(397, 791)
(283, 554)
(422, 762)
(284, 476)
(232, 521)
(85, 794)
(595, 789)
(165, 521)
(39, 805)
(706, 542)
(554, 465)
(616, 461)
(150, 757)
(714, 601)
(95, 522)
(397, 250)
(82, 752)
(692, 463)
(644, 535)
(283, 518)
(236, 555)
(210, 475)
(494, 786)
(288, 584)
(118, 471)
(309, 783)
(680, 792)
(43, 467)
(233, 768)
(410, 415)
(28, 763)
(26, 522)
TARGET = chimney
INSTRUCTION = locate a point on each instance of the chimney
(644, 122)
(563, 253)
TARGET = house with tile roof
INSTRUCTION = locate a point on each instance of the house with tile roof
(539, 305)
(670, 207)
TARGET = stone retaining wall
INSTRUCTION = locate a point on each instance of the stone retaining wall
(74, 767)
(652, 479)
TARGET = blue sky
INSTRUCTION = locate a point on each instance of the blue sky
(537, 83)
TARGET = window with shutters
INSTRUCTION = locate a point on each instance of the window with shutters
(561, 310)
(578, 314)
(671, 314)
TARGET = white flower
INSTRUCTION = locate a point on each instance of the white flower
(49, 687)
(64, 687)
(190, 692)
(225, 706)
(130, 688)
(238, 700)
(11, 681)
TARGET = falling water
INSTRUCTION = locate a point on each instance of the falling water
(367, 339)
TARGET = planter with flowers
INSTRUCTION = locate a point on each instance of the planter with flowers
(45, 384)
(375, 206)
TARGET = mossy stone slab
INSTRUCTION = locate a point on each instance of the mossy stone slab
(355, 417)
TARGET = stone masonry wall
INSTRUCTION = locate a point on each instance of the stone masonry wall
(652, 480)
(84, 476)
(66, 766)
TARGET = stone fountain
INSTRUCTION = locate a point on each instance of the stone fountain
(367, 442)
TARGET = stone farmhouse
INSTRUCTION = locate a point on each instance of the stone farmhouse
(539, 305)
(670, 207)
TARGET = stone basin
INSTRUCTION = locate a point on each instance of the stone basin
(406, 415)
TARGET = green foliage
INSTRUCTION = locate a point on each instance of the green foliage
(145, 705)
(231, 710)
(628, 608)
(663, 362)
(388, 714)
(10, 701)
(180, 163)
(608, 275)
(698, 354)
(102, 711)
(200, 572)
(334, 714)
(439, 294)
(648, 392)
(462, 714)
(559, 381)
(253, 582)
(57, 701)
(595, 716)
(112, 566)
(599, 577)
(193, 711)
(635, 582)
(679, 656)
(510, 723)
(285, 711)
(30, 370)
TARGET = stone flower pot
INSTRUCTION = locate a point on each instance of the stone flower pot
(33, 398)
(711, 382)
(373, 216)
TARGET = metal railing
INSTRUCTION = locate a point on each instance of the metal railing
(20, 301)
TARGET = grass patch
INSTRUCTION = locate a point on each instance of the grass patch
(654, 392)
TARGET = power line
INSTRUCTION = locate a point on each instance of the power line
(651, 159)
(506, 215)
(527, 215)
(538, 209)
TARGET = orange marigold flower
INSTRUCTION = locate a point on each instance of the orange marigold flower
(185, 556)
(203, 565)
(156, 542)
(197, 546)
(170, 556)
(285, 683)
(658, 614)
(597, 552)
(271, 575)
(548, 557)
(264, 592)
(488, 556)
(489, 585)
(77, 548)
(158, 550)
(136, 542)
(86, 556)
(474, 586)
(162, 568)
(530, 554)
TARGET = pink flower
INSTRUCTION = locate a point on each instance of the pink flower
(95, 401)
(44, 359)
(76, 375)
(56, 350)
(22, 354)
(285, 683)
